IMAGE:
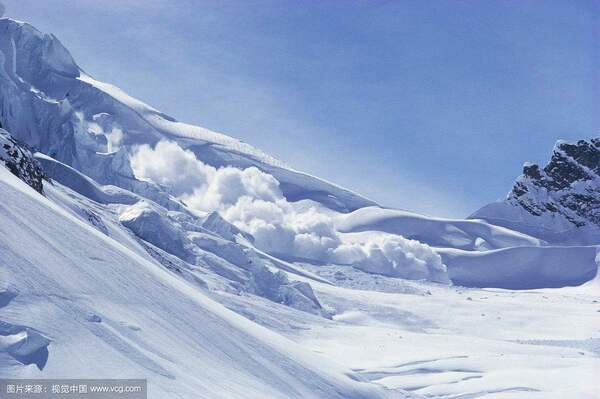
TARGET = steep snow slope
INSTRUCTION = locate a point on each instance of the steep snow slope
(97, 129)
(560, 202)
(75, 303)
(48, 102)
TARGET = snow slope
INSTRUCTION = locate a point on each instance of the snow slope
(454, 342)
(76, 303)
(92, 127)
(166, 251)
(48, 102)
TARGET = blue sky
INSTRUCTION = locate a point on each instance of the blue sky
(428, 106)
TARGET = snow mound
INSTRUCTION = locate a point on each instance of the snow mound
(472, 235)
(23, 344)
(522, 267)
(559, 202)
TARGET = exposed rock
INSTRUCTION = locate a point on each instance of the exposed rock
(18, 158)
(557, 202)
(569, 185)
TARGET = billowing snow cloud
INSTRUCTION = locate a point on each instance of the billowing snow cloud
(170, 165)
(248, 198)
(394, 256)
(252, 201)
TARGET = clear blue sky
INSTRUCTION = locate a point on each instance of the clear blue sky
(430, 106)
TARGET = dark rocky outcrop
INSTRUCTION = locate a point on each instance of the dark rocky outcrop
(19, 159)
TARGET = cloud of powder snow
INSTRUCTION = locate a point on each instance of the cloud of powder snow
(252, 201)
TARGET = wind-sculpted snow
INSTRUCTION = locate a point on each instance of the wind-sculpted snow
(522, 267)
(471, 235)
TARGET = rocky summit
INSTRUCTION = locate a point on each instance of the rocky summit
(562, 199)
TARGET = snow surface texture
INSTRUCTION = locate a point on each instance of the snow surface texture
(165, 251)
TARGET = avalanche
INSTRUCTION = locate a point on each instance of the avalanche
(136, 246)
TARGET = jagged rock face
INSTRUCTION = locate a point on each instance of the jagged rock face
(20, 161)
(568, 186)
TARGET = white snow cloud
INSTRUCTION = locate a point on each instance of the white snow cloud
(169, 165)
(252, 201)
(395, 256)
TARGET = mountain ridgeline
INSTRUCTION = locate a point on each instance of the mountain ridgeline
(559, 202)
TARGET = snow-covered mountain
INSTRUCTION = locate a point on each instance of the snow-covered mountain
(48, 102)
(133, 245)
(560, 202)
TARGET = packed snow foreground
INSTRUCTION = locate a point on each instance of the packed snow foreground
(136, 246)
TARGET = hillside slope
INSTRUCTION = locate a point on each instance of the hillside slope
(48, 102)
(75, 303)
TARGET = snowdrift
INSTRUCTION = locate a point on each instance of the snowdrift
(521, 267)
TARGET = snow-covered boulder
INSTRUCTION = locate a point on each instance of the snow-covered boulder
(150, 223)
(216, 224)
